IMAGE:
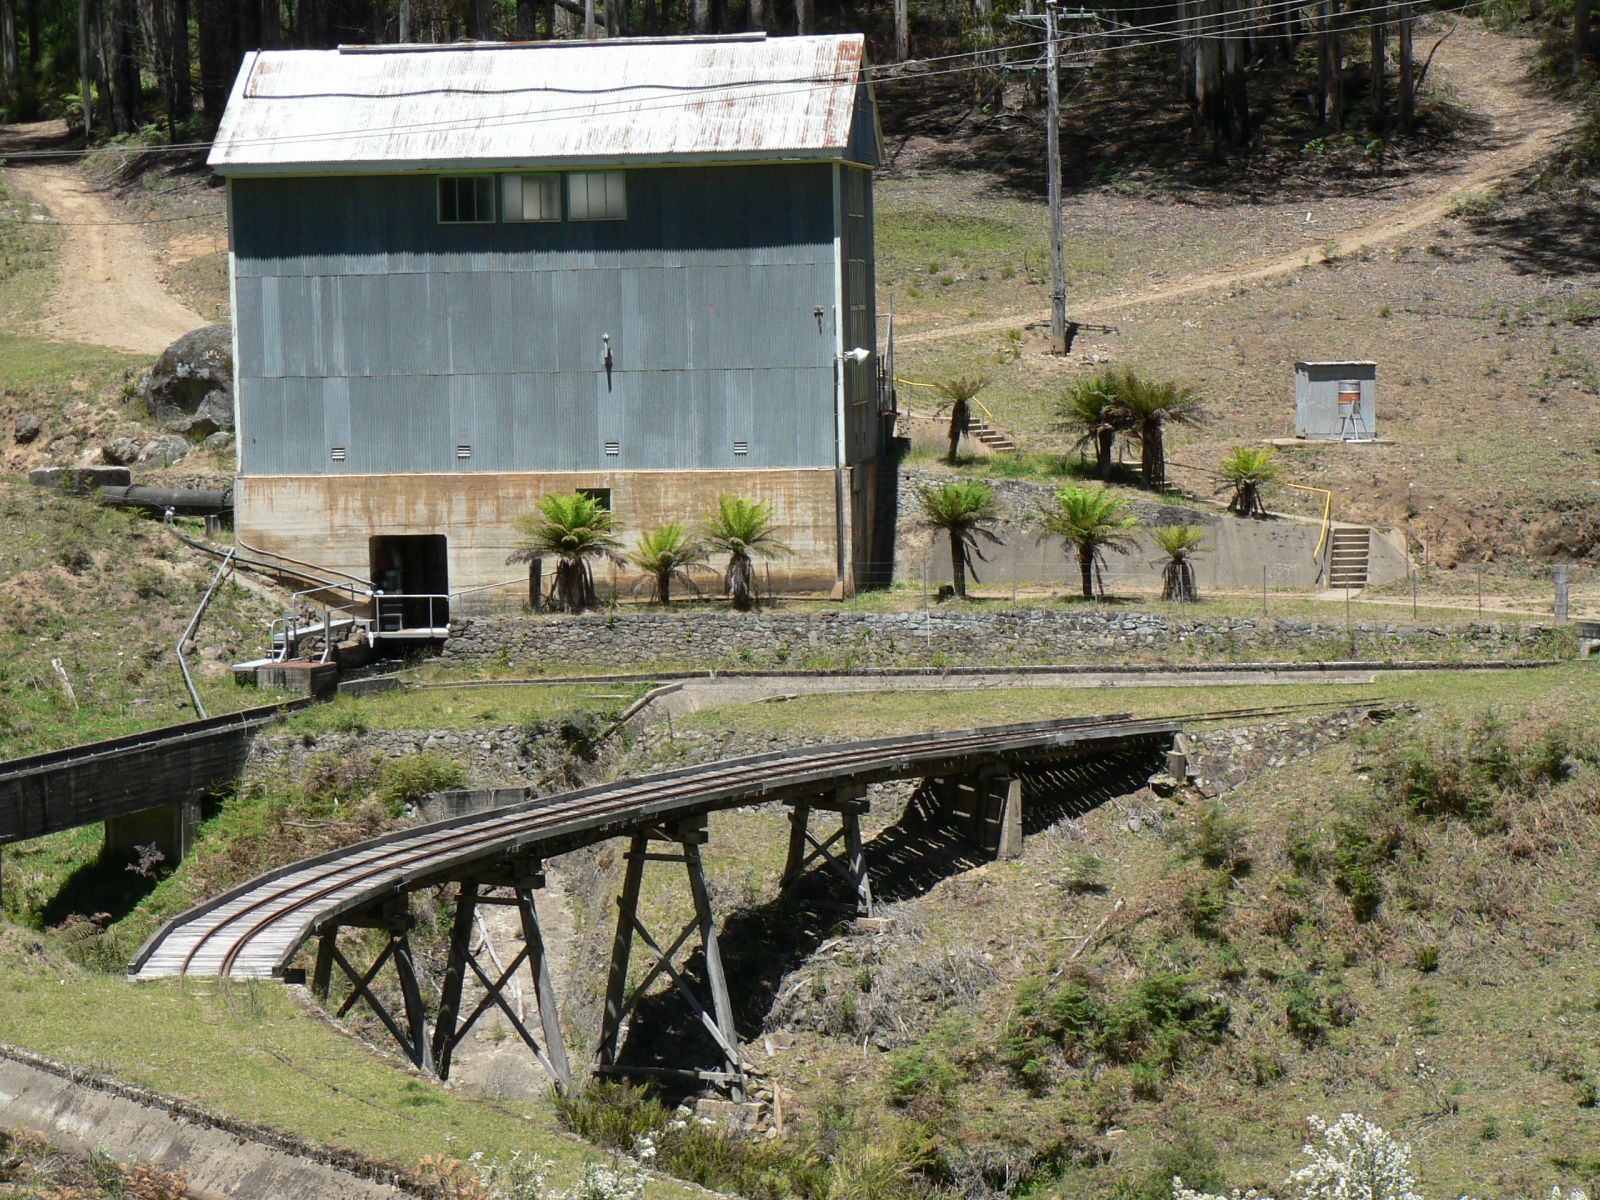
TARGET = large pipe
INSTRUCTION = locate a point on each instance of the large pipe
(190, 502)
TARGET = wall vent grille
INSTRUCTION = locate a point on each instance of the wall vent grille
(337, 453)
(741, 447)
(463, 451)
(613, 449)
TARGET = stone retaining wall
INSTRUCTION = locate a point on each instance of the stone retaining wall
(1220, 759)
(508, 754)
(953, 637)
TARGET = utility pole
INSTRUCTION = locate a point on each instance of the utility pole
(1058, 226)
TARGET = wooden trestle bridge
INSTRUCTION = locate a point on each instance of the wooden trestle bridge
(257, 929)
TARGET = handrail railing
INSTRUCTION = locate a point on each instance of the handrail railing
(1327, 515)
(194, 622)
(366, 583)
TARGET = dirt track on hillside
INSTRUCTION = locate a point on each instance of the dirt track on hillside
(1488, 74)
(107, 290)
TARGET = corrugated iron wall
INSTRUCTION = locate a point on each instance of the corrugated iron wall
(368, 328)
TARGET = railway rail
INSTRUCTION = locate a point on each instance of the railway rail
(257, 930)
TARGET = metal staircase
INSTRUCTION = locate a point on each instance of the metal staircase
(1348, 557)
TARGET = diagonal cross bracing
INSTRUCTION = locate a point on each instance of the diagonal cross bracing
(257, 928)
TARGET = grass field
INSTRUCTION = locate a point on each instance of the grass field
(251, 1051)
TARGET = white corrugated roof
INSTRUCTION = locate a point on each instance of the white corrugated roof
(625, 99)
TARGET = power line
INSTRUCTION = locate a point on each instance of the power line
(993, 60)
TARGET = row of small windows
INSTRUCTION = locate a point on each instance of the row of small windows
(590, 196)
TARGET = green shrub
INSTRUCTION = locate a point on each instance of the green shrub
(1217, 839)
(404, 781)
(1313, 1005)
(1206, 905)
(921, 1073)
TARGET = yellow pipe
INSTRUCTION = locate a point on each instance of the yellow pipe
(1327, 513)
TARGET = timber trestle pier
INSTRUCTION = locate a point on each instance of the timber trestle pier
(496, 858)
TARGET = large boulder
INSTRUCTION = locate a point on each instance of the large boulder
(191, 384)
(27, 429)
(163, 451)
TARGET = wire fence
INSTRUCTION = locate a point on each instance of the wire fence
(1288, 587)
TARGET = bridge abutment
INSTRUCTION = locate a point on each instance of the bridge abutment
(987, 808)
(170, 829)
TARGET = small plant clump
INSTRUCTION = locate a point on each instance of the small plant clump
(1355, 1160)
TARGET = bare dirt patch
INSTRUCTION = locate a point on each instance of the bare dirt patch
(108, 292)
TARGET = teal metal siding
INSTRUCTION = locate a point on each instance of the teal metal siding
(863, 426)
(366, 324)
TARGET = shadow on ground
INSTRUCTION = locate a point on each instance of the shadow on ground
(761, 945)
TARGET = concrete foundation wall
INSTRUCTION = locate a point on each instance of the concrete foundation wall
(218, 1158)
(330, 520)
(1235, 552)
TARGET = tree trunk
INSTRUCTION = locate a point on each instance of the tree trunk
(741, 582)
(1580, 35)
(85, 82)
(805, 16)
(588, 18)
(219, 54)
(902, 30)
(123, 67)
(182, 83)
(481, 15)
(272, 25)
(1086, 570)
(527, 21)
(1408, 106)
(958, 564)
(1105, 442)
(31, 9)
(1152, 455)
(959, 417)
(1329, 68)
(664, 588)
(1380, 39)
(10, 52)
(1235, 54)
(702, 16)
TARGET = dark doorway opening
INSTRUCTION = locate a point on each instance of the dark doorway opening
(413, 573)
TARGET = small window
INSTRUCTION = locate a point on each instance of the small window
(601, 496)
(466, 199)
(530, 197)
(597, 196)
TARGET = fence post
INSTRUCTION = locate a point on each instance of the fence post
(1562, 594)
(1263, 591)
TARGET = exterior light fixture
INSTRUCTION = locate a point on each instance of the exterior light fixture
(857, 356)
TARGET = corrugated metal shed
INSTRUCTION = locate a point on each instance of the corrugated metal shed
(630, 100)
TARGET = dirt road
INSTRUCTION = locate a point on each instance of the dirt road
(1487, 73)
(107, 291)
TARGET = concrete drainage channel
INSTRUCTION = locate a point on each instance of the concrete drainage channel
(218, 1157)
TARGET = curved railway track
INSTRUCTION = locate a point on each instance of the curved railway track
(256, 929)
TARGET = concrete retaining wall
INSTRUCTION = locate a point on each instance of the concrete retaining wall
(1235, 554)
(218, 1157)
(949, 637)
